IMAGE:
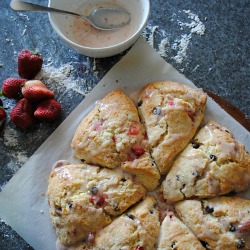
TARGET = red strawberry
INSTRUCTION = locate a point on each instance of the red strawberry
(2, 116)
(138, 151)
(139, 248)
(12, 87)
(48, 110)
(22, 114)
(36, 91)
(29, 64)
(134, 129)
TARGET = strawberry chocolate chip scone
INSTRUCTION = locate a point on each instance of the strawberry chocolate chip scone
(174, 234)
(136, 229)
(112, 134)
(213, 164)
(219, 223)
(84, 199)
(171, 112)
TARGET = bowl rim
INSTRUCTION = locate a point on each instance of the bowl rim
(96, 49)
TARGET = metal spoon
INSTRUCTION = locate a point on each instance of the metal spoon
(102, 18)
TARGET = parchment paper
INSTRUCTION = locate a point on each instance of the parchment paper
(23, 203)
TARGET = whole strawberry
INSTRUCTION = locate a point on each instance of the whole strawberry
(29, 64)
(48, 110)
(12, 87)
(35, 91)
(22, 114)
(2, 116)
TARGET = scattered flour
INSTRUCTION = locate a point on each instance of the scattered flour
(61, 79)
(17, 154)
(10, 137)
(180, 44)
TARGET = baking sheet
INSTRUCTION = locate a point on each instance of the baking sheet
(23, 203)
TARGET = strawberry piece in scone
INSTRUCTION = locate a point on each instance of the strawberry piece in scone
(112, 135)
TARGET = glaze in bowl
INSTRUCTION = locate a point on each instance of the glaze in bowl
(85, 39)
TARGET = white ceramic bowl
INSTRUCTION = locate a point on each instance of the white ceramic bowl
(85, 42)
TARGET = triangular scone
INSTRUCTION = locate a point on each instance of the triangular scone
(84, 199)
(112, 134)
(219, 223)
(136, 229)
(171, 112)
(215, 163)
(176, 235)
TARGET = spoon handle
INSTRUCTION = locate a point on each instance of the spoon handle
(18, 5)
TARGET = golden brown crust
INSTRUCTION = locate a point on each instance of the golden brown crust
(100, 208)
(220, 223)
(96, 136)
(171, 112)
(213, 164)
(112, 134)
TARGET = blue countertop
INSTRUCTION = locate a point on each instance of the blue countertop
(208, 41)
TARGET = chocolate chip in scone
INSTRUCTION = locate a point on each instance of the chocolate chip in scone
(196, 173)
(232, 228)
(94, 190)
(213, 157)
(204, 244)
(177, 177)
(241, 244)
(139, 103)
(209, 209)
(173, 244)
(70, 204)
(130, 216)
(157, 110)
(123, 179)
(195, 145)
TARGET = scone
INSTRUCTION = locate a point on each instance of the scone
(112, 134)
(84, 199)
(176, 235)
(214, 163)
(219, 223)
(136, 229)
(171, 112)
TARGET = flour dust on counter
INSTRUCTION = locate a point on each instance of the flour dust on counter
(163, 41)
(70, 78)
